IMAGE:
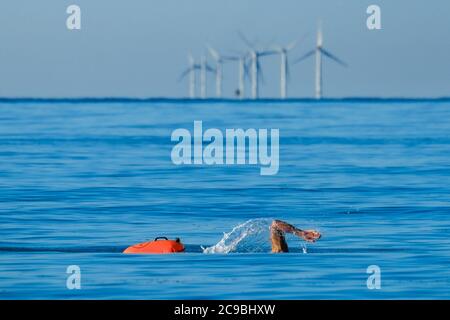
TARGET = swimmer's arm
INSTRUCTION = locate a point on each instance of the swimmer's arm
(308, 235)
(285, 227)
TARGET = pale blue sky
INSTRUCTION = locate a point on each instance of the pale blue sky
(138, 48)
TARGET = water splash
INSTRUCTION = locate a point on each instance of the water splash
(250, 236)
(304, 248)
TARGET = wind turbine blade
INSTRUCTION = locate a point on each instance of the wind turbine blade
(305, 56)
(294, 43)
(270, 43)
(234, 53)
(333, 57)
(245, 40)
(210, 69)
(319, 39)
(183, 74)
(213, 53)
(267, 53)
(190, 59)
(231, 57)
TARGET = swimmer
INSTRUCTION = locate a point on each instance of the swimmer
(277, 230)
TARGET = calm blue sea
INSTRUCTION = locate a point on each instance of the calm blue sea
(79, 182)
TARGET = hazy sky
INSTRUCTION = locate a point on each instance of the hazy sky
(139, 47)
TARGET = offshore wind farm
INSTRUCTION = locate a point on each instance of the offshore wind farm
(250, 67)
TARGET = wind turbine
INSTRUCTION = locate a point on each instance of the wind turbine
(220, 60)
(318, 51)
(256, 71)
(284, 65)
(242, 71)
(191, 70)
(203, 77)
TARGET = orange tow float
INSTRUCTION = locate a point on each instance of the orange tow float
(159, 245)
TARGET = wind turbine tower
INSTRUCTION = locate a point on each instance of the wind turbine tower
(203, 77)
(284, 66)
(318, 86)
(219, 67)
(241, 85)
(254, 73)
(192, 76)
(204, 67)
(283, 73)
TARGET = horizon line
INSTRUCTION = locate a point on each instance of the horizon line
(120, 99)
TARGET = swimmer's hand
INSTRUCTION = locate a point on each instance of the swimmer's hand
(308, 235)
